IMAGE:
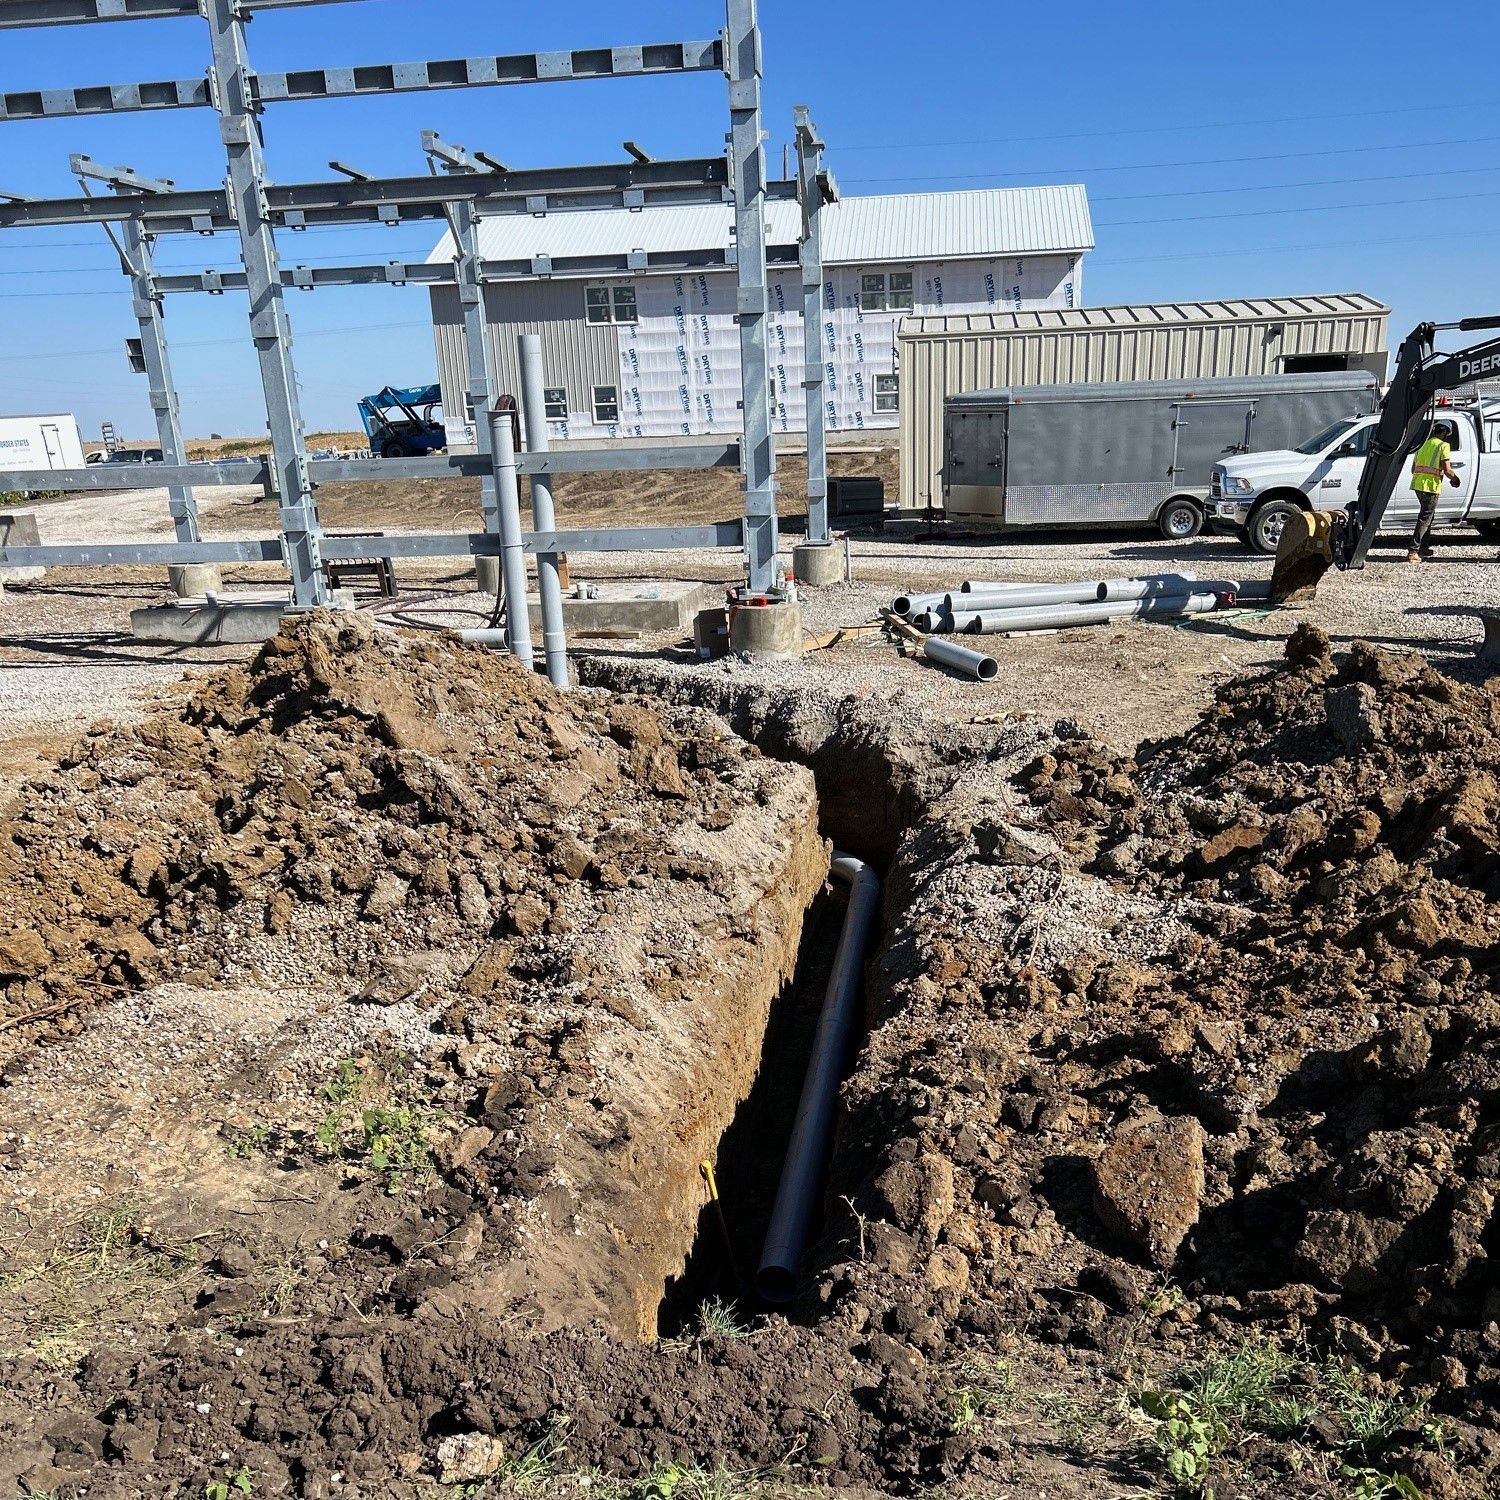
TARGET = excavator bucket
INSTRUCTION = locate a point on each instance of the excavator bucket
(1303, 556)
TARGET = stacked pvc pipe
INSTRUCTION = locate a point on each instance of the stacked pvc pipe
(983, 608)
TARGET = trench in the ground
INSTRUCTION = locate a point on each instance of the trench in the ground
(731, 1228)
(721, 1262)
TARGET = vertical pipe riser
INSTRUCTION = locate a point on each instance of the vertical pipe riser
(543, 512)
(512, 553)
(809, 164)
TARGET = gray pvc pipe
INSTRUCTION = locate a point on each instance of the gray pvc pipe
(543, 513)
(512, 555)
(961, 658)
(1107, 590)
(800, 1190)
(1101, 588)
(1066, 616)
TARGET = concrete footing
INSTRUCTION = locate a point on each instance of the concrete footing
(820, 565)
(193, 580)
(246, 619)
(766, 632)
(487, 574)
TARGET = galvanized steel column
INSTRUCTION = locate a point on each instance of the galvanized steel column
(748, 173)
(810, 148)
(232, 82)
(136, 246)
(543, 513)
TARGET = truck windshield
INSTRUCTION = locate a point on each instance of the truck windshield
(1329, 436)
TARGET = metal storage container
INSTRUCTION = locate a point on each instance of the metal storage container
(943, 356)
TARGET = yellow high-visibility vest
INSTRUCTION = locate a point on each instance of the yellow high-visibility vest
(1427, 471)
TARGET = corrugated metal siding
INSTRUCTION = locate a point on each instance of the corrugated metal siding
(889, 227)
(942, 356)
(576, 354)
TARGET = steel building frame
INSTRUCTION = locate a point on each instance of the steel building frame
(255, 209)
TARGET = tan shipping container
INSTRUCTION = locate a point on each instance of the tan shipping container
(942, 356)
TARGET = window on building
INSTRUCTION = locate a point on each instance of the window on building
(611, 304)
(556, 402)
(606, 404)
(887, 393)
(872, 292)
(900, 291)
(625, 308)
(596, 301)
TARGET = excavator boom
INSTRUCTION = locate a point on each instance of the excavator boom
(1314, 542)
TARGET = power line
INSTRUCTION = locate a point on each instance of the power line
(1201, 161)
(1196, 126)
(1310, 208)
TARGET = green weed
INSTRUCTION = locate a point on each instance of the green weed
(249, 1141)
(718, 1319)
(241, 1482)
(1368, 1417)
(983, 1387)
(1188, 1434)
(1371, 1484)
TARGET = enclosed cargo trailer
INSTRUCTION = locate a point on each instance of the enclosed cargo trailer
(1123, 454)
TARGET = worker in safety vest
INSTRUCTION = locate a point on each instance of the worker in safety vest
(1432, 466)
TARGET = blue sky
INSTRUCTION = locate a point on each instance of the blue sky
(1227, 152)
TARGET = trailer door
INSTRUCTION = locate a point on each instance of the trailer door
(52, 443)
(974, 459)
(1206, 432)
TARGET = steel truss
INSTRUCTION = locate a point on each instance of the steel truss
(254, 209)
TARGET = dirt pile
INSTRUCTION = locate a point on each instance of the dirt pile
(1206, 1042)
(560, 923)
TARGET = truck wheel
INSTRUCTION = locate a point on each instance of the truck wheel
(1179, 519)
(1267, 524)
(393, 450)
(1489, 530)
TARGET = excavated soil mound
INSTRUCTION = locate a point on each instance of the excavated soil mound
(377, 977)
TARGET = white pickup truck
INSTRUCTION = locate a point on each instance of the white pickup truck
(1254, 494)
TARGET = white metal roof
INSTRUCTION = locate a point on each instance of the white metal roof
(973, 225)
(1149, 315)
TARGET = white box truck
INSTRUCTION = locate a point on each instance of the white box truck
(45, 442)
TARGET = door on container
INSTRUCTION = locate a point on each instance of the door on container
(974, 465)
(52, 442)
(1206, 433)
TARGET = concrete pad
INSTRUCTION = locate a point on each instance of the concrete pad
(623, 610)
(241, 619)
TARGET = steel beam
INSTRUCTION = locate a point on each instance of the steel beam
(239, 127)
(810, 148)
(135, 253)
(378, 78)
(720, 534)
(393, 199)
(463, 225)
(748, 165)
(441, 273)
(711, 454)
(18, 13)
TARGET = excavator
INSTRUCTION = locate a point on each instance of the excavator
(1315, 541)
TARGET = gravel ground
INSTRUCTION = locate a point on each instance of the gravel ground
(66, 658)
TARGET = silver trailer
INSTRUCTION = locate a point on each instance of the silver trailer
(1122, 454)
